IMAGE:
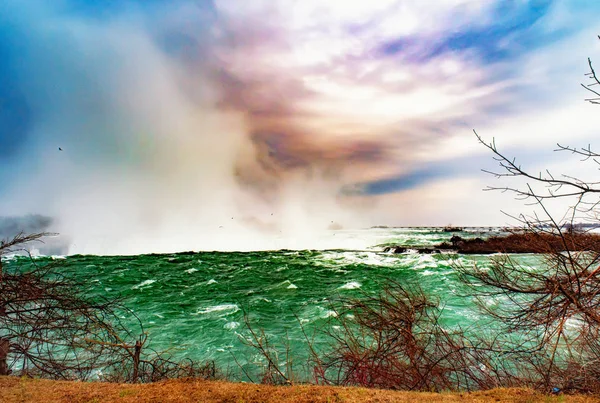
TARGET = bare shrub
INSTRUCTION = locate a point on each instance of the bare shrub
(54, 329)
(276, 362)
(554, 308)
(395, 340)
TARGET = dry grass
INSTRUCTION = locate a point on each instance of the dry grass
(13, 389)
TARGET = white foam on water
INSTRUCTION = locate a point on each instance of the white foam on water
(231, 325)
(267, 300)
(426, 262)
(211, 281)
(225, 347)
(352, 285)
(287, 284)
(190, 271)
(143, 284)
(419, 262)
(335, 259)
(219, 308)
(292, 286)
(246, 239)
(573, 324)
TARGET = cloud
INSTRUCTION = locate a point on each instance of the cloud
(34, 223)
(157, 153)
(206, 125)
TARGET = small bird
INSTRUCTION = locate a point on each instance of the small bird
(59, 149)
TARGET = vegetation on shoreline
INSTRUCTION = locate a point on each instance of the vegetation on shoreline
(545, 334)
(51, 328)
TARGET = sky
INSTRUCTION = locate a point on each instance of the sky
(150, 126)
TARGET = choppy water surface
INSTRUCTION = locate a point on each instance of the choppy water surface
(194, 303)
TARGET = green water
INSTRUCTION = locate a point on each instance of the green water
(194, 304)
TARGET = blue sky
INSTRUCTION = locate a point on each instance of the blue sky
(168, 110)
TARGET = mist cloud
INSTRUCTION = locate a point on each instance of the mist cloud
(159, 149)
(241, 125)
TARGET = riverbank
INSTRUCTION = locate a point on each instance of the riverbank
(13, 389)
(528, 242)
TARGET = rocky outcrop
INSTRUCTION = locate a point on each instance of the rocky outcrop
(425, 250)
(514, 243)
(452, 229)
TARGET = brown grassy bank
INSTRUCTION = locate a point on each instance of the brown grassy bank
(13, 389)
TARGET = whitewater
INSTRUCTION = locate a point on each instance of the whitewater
(198, 304)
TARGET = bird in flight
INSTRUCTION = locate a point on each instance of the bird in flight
(59, 149)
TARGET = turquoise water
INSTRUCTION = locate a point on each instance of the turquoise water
(194, 304)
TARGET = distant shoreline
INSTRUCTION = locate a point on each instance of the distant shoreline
(513, 243)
